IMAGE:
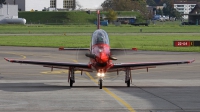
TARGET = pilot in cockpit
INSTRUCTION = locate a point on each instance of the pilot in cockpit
(100, 38)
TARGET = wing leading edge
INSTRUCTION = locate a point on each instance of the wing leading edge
(85, 67)
(145, 65)
(61, 65)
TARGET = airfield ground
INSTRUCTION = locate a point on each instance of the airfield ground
(29, 88)
(35, 88)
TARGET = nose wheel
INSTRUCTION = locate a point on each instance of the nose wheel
(100, 83)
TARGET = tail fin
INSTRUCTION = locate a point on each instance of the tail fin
(98, 19)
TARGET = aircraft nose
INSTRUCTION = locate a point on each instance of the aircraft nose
(103, 57)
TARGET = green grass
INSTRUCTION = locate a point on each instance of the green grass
(69, 17)
(60, 29)
(72, 17)
(159, 42)
(158, 37)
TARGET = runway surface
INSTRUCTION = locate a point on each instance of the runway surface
(30, 88)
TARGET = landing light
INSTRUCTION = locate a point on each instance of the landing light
(100, 74)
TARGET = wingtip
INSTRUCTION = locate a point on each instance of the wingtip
(192, 61)
(8, 60)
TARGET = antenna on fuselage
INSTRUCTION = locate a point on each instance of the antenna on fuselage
(98, 19)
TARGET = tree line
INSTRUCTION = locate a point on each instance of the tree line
(126, 5)
(140, 6)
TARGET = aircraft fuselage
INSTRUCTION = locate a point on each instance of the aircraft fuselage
(100, 51)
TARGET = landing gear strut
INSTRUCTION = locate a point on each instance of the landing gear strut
(71, 77)
(128, 77)
(100, 75)
(100, 83)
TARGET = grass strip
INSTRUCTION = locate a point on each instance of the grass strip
(157, 42)
(61, 29)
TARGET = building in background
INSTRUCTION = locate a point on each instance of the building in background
(184, 7)
(194, 16)
(89, 4)
(39, 5)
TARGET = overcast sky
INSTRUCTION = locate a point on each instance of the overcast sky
(90, 4)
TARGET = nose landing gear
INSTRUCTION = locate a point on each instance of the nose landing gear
(100, 75)
(100, 83)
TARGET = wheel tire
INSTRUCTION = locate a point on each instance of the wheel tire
(71, 83)
(100, 84)
(128, 83)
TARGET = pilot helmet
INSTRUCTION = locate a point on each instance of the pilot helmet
(100, 38)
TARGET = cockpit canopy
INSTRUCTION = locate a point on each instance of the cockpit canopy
(100, 37)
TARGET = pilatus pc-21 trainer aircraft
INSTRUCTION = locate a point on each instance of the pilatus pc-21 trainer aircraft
(100, 60)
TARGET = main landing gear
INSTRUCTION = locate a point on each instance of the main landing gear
(71, 77)
(128, 77)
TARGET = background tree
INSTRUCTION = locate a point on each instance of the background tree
(78, 6)
(127, 5)
(107, 4)
(111, 15)
(169, 9)
(159, 12)
(151, 2)
(123, 5)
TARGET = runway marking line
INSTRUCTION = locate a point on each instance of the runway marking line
(58, 72)
(24, 57)
(128, 106)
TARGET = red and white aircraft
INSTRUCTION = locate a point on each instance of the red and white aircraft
(100, 60)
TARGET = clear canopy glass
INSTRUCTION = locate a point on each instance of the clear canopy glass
(100, 37)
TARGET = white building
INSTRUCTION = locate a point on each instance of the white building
(90, 4)
(39, 5)
(184, 7)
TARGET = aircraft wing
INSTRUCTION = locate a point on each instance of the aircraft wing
(73, 49)
(144, 65)
(87, 49)
(114, 51)
(59, 65)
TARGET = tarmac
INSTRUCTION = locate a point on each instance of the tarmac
(31, 88)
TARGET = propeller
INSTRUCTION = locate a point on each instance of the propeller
(93, 56)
